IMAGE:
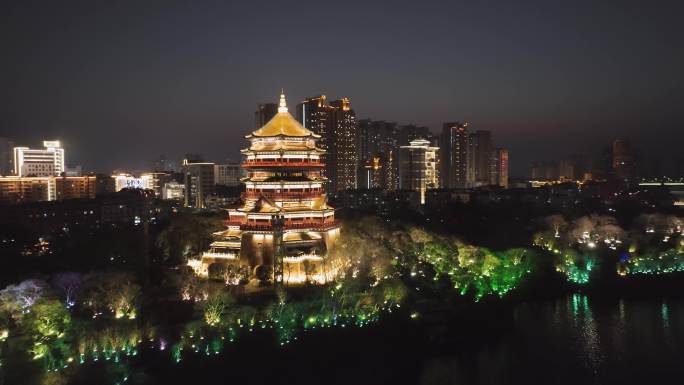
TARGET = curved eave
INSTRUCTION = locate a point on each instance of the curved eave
(305, 149)
(323, 210)
(316, 150)
(253, 135)
(318, 179)
(307, 167)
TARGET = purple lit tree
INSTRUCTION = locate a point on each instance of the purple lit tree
(69, 283)
(18, 299)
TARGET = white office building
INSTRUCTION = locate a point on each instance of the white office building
(48, 161)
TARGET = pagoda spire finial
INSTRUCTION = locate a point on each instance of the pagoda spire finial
(282, 106)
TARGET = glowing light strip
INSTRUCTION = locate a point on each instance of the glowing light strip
(302, 258)
(281, 185)
(209, 254)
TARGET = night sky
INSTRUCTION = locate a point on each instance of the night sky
(121, 83)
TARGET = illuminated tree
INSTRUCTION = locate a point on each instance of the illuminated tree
(234, 274)
(381, 267)
(553, 236)
(69, 283)
(215, 307)
(556, 223)
(18, 300)
(391, 292)
(576, 266)
(283, 318)
(51, 318)
(116, 292)
(594, 229)
(419, 235)
(122, 299)
(653, 262)
(441, 255)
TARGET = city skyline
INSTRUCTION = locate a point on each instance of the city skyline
(182, 79)
(593, 154)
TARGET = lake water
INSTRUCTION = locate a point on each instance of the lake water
(575, 340)
(570, 340)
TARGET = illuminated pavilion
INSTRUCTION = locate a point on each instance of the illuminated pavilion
(285, 228)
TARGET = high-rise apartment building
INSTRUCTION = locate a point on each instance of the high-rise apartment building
(6, 156)
(48, 161)
(336, 123)
(314, 115)
(342, 149)
(453, 150)
(368, 139)
(379, 139)
(264, 113)
(372, 173)
(418, 169)
(199, 183)
(498, 175)
(388, 146)
(479, 158)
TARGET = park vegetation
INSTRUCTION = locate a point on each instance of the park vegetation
(72, 318)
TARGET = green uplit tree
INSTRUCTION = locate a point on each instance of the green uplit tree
(51, 318)
(215, 307)
(115, 292)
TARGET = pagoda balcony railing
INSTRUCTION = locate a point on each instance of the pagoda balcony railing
(255, 227)
(282, 195)
(318, 225)
(281, 163)
(213, 254)
(315, 225)
(232, 223)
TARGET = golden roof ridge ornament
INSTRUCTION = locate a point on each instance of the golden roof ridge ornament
(282, 124)
(282, 106)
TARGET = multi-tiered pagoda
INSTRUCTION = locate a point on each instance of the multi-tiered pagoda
(285, 228)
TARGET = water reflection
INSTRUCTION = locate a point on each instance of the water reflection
(581, 340)
(585, 328)
(664, 312)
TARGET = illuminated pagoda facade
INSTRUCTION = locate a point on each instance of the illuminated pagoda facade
(285, 228)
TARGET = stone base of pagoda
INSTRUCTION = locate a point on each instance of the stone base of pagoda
(255, 258)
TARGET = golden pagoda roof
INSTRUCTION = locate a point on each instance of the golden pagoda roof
(282, 124)
(263, 205)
